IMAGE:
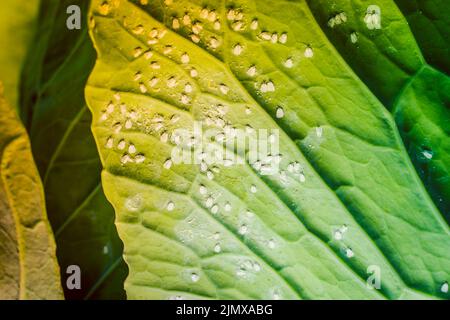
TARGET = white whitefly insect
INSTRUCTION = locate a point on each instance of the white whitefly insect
(209, 202)
(168, 164)
(279, 113)
(373, 17)
(254, 24)
(202, 189)
(185, 58)
(195, 277)
(109, 143)
(251, 71)
(121, 145)
(175, 23)
(309, 53)
(170, 206)
(288, 63)
(224, 88)
(237, 49)
(243, 229)
(131, 149)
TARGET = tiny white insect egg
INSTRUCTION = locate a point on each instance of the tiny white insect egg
(228, 207)
(444, 287)
(215, 209)
(253, 189)
(283, 38)
(217, 248)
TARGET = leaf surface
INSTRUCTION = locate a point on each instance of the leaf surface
(59, 124)
(231, 231)
(28, 266)
(390, 61)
